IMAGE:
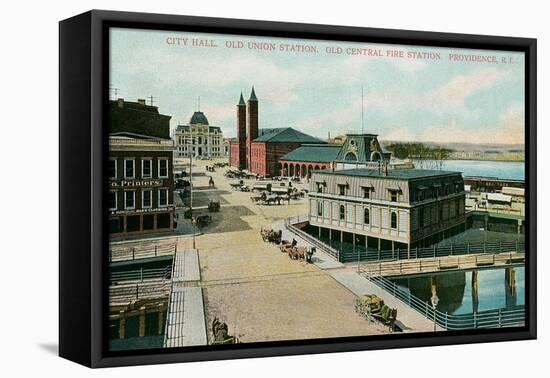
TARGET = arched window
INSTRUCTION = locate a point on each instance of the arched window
(350, 156)
(366, 214)
(342, 212)
(393, 219)
(375, 156)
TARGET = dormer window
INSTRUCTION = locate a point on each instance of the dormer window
(394, 195)
(342, 189)
(367, 191)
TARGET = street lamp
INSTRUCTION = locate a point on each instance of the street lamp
(435, 301)
(194, 223)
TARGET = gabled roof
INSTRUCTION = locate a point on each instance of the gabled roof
(287, 134)
(315, 153)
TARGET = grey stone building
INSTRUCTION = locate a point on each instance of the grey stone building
(199, 139)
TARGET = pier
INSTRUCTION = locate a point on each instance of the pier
(442, 264)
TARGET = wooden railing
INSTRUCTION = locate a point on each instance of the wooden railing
(121, 253)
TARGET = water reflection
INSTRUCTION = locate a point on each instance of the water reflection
(471, 291)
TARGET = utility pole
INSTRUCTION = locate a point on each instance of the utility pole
(151, 100)
(362, 111)
(115, 90)
(191, 191)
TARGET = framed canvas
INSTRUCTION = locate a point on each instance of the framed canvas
(235, 188)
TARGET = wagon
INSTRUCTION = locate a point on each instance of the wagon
(220, 333)
(386, 316)
(203, 220)
(214, 206)
(271, 236)
(366, 305)
(261, 186)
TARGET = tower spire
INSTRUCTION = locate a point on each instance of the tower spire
(253, 95)
(241, 100)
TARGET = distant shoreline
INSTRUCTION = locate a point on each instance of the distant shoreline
(485, 159)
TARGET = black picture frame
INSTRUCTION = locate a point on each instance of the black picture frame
(83, 232)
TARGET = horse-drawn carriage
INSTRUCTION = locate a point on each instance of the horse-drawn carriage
(203, 220)
(297, 253)
(373, 308)
(236, 185)
(220, 333)
(214, 206)
(271, 236)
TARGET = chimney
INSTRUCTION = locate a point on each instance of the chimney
(141, 101)
(120, 102)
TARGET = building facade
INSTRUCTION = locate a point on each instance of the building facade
(387, 209)
(199, 139)
(141, 184)
(138, 118)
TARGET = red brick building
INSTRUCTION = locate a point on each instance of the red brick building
(259, 150)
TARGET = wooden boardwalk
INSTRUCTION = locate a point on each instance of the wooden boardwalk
(185, 323)
(442, 264)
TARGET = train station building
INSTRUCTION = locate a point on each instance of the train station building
(259, 150)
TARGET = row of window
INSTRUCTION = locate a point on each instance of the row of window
(441, 215)
(438, 191)
(184, 148)
(198, 140)
(146, 199)
(393, 194)
(129, 168)
(367, 191)
(366, 214)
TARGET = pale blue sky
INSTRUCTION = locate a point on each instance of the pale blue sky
(404, 99)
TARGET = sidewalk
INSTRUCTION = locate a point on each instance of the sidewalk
(186, 325)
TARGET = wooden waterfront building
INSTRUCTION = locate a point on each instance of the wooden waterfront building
(387, 209)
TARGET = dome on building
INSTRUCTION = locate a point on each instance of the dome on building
(198, 118)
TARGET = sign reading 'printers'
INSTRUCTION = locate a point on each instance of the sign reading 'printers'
(135, 183)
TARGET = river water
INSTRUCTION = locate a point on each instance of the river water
(501, 169)
(454, 290)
